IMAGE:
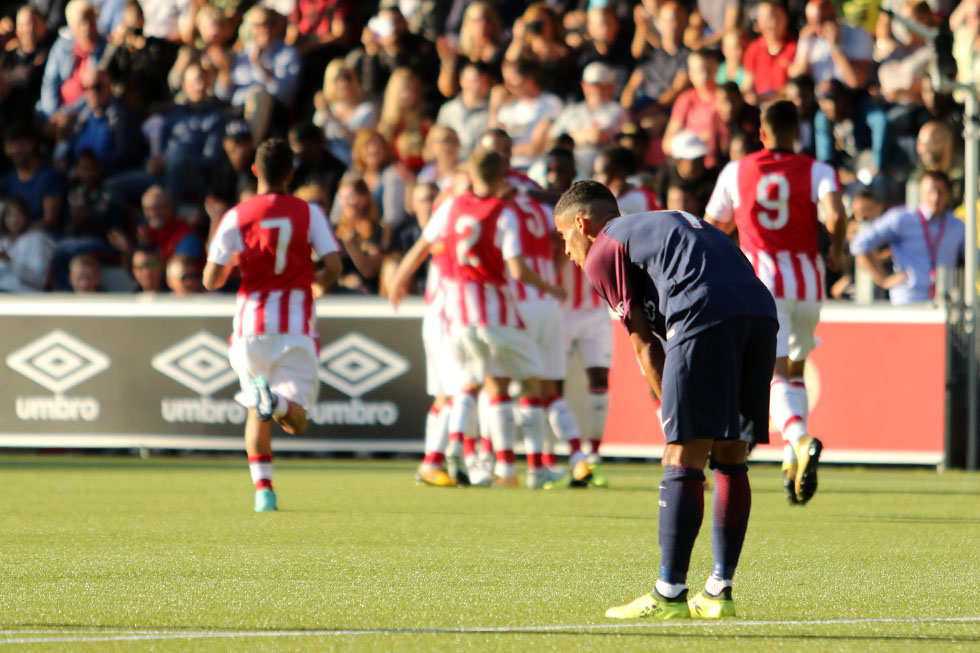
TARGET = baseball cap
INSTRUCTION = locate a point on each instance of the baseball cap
(686, 145)
(238, 130)
(598, 73)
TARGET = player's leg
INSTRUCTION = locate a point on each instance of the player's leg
(431, 471)
(503, 430)
(258, 447)
(596, 354)
(785, 408)
(801, 342)
(293, 381)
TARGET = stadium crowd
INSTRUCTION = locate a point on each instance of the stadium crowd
(129, 125)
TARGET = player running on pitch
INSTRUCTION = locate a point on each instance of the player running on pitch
(773, 195)
(273, 344)
(669, 276)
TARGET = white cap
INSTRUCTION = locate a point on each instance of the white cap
(598, 73)
(687, 145)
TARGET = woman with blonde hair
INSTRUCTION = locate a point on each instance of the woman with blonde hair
(371, 159)
(365, 237)
(339, 109)
(481, 40)
(403, 108)
(442, 157)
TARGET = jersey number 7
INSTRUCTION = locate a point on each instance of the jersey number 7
(284, 233)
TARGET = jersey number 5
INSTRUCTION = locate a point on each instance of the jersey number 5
(284, 232)
(468, 229)
(778, 209)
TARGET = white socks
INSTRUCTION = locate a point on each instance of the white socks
(597, 407)
(562, 420)
(787, 411)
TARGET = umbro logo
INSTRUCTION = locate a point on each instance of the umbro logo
(199, 362)
(58, 361)
(355, 364)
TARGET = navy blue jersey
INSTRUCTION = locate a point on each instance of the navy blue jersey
(684, 274)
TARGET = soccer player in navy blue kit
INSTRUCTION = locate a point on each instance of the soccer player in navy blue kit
(703, 328)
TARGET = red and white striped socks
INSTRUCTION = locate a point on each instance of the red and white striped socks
(260, 467)
(787, 407)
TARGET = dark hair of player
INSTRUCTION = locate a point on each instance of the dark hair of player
(487, 166)
(782, 118)
(620, 161)
(561, 153)
(274, 161)
(588, 198)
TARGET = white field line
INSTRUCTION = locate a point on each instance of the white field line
(63, 636)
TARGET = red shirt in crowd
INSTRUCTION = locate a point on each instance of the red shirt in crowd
(769, 71)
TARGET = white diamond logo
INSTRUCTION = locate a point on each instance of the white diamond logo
(356, 364)
(199, 362)
(58, 361)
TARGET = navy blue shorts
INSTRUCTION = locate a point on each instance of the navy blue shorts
(716, 384)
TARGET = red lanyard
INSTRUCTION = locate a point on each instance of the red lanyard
(933, 249)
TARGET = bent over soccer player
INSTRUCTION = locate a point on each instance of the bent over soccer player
(670, 276)
(273, 345)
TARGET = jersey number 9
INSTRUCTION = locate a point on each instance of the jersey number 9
(777, 214)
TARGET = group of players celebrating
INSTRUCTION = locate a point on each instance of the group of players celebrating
(721, 333)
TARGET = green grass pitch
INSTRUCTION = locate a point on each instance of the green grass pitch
(166, 554)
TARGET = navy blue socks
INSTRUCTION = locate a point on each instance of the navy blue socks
(732, 502)
(681, 512)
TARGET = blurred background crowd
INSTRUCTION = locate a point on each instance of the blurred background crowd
(128, 125)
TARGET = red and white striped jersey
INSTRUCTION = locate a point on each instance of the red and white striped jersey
(773, 196)
(535, 247)
(480, 235)
(435, 280)
(581, 295)
(519, 180)
(273, 235)
(638, 200)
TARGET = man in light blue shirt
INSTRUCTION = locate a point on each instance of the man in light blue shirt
(921, 239)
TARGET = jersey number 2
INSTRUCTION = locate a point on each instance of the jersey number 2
(467, 241)
(778, 209)
(284, 232)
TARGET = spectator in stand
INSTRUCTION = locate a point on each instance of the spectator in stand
(828, 49)
(612, 168)
(84, 274)
(147, 270)
(733, 52)
(138, 62)
(164, 230)
(74, 52)
(183, 276)
(162, 18)
(865, 208)
(709, 22)
(365, 237)
(741, 145)
(41, 186)
(768, 58)
(735, 116)
(265, 74)
(603, 44)
(528, 116)
(801, 92)
(922, 239)
(481, 43)
(25, 253)
(373, 162)
(635, 139)
(340, 111)
(696, 109)
(843, 130)
(594, 123)
(686, 169)
(560, 170)
(424, 197)
(680, 198)
(646, 36)
(403, 110)
(937, 150)
(468, 114)
(106, 125)
(313, 163)
(233, 172)
(321, 31)
(538, 36)
(965, 24)
(23, 60)
(662, 74)
(442, 156)
(208, 50)
(387, 45)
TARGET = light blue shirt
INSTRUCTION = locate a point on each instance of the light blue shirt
(901, 230)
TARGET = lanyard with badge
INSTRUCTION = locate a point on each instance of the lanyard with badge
(933, 249)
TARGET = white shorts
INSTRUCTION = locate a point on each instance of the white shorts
(797, 323)
(542, 319)
(497, 351)
(441, 366)
(288, 362)
(590, 333)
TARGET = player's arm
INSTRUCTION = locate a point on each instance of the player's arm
(413, 259)
(720, 211)
(648, 349)
(508, 239)
(835, 218)
(327, 248)
(327, 274)
(521, 271)
(226, 240)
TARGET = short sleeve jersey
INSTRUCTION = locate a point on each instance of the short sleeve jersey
(273, 235)
(773, 197)
(685, 275)
(536, 246)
